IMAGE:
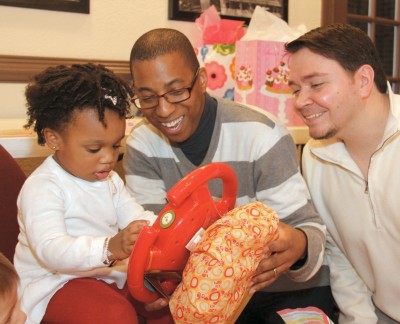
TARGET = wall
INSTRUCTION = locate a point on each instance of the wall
(108, 33)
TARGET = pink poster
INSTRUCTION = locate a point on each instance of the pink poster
(262, 72)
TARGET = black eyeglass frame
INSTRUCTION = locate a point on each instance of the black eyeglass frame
(136, 99)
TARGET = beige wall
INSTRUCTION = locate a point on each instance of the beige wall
(108, 33)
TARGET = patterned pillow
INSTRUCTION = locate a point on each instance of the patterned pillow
(219, 269)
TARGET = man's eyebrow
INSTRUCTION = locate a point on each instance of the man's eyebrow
(170, 83)
(308, 77)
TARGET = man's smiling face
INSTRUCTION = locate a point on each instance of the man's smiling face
(325, 94)
(167, 73)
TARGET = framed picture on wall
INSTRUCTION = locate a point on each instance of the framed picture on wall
(80, 6)
(189, 10)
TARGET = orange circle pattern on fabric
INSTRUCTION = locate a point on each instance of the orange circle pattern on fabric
(220, 268)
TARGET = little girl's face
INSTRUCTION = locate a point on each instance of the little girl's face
(10, 312)
(86, 148)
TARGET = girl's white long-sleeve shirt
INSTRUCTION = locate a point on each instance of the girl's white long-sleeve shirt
(63, 222)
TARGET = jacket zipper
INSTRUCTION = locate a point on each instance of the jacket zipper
(366, 189)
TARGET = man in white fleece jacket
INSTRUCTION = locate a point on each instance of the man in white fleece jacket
(352, 166)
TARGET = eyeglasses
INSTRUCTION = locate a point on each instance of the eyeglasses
(173, 97)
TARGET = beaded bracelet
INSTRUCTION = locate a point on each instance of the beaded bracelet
(107, 253)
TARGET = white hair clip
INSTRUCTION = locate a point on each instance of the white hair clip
(113, 99)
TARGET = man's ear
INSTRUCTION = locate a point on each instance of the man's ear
(365, 78)
(203, 78)
(52, 138)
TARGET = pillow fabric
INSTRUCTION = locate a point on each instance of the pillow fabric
(219, 269)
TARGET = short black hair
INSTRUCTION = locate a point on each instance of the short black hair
(54, 95)
(161, 41)
(350, 46)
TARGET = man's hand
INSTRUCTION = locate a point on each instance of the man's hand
(281, 255)
(156, 305)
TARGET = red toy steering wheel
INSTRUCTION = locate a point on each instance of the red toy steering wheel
(160, 250)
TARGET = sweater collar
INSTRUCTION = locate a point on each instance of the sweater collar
(195, 148)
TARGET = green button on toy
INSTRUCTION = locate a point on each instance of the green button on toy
(167, 219)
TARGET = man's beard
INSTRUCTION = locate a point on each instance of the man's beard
(331, 133)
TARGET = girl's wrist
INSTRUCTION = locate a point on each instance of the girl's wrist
(107, 254)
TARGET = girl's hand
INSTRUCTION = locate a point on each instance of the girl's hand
(121, 245)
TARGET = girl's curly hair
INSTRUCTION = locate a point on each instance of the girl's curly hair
(54, 95)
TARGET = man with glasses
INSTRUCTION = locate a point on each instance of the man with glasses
(173, 97)
(184, 128)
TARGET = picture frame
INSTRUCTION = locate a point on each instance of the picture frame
(77, 6)
(190, 10)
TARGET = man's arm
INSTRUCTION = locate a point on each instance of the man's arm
(282, 187)
(350, 292)
(353, 297)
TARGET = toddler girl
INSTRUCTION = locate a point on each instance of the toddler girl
(77, 221)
